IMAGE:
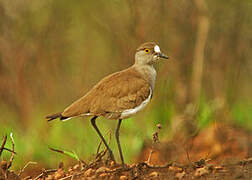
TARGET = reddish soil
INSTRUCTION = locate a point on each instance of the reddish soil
(218, 152)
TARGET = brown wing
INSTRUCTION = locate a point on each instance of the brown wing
(114, 94)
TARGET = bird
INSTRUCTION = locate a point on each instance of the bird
(119, 95)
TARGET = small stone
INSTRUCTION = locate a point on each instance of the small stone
(59, 174)
(218, 167)
(89, 172)
(132, 165)
(153, 174)
(103, 175)
(123, 177)
(112, 163)
(50, 177)
(102, 169)
(201, 171)
(76, 167)
(176, 169)
(180, 175)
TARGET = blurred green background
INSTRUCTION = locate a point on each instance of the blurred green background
(53, 51)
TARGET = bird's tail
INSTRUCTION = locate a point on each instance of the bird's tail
(55, 116)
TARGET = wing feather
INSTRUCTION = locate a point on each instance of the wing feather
(112, 95)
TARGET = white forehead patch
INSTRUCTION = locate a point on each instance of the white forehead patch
(157, 49)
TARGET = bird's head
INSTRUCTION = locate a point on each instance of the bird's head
(148, 53)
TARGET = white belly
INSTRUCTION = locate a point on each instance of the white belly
(129, 112)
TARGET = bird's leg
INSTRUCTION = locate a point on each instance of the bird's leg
(102, 138)
(118, 140)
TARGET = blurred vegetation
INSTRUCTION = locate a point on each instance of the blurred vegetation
(53, 51)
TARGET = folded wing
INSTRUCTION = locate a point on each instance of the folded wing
(113, 95)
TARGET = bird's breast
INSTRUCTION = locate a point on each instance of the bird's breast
(149, 74)
(129, 112)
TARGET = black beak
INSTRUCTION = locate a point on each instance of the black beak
(161, 55)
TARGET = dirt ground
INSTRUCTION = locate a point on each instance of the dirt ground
(218, 152)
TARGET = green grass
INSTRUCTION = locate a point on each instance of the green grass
(78, 135)
(242, 115)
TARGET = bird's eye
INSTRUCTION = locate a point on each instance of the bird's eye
(147, 50)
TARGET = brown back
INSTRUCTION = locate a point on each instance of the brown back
(112, 95)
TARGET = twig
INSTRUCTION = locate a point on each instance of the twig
(71, 176)
(44, 173)
(97, 159)
(188, 157)
(27, 178)
(149, 158)
(100, 155)
(27, 164)
(13, 149)
(155, 166)
(7, 149)
(3, 144)
(154, 142)
(141, 164)
(120, 169)
(99, 146)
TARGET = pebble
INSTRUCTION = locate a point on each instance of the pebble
(77, 166)
(70, 169)
(112, 163)
(50, 177)
(123, 177)
(201, 171)
(103, 175)
(180, 175)
(89, 172)
(102, 169)
(153, 174)
(59, 174)
(176, 169)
